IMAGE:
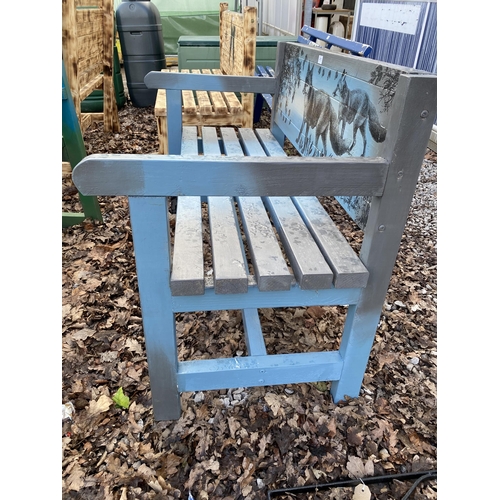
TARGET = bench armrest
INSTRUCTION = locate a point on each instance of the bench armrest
(171, 175)
(175, 83)
(218, 83)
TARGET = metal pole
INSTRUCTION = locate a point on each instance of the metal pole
(260, 9)
(307, 13)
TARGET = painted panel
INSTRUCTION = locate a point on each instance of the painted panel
(335, 111)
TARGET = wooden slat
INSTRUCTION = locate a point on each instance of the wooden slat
(90, 86)
(229, 263)
(187, 276)
(310, 268)
(251, 144)
(188, 100)
(230, 142)
(348, 270)
(269, 143)
(189, 141)
(187, 265)
(269, 265)
(219, 105)
(66, 168)
(203, 101)
(230, 98)
(210, 141)
(213, 120)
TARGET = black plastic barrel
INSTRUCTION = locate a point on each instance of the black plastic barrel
(141, 39)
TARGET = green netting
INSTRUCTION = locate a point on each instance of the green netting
(187, 25)
(187, 18)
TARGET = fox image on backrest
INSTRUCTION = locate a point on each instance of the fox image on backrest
(357, 109)
(320, 115)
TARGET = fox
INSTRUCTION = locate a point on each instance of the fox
(320, 115)
(356, 108)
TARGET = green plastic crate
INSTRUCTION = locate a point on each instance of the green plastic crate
(202, 52)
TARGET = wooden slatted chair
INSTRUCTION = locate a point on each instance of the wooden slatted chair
(361, 127)
(87, 47)
(238, 36)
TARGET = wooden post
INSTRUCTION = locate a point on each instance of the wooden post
(110, 108)
(70, 50)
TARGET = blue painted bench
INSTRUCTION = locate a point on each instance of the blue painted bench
(361, 127)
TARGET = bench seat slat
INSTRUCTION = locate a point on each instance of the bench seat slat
(187, 276)
(251, 143)
(310, 268)
(189, 141)
(230, 142)
(348, 270)
(210, 141)
(269, 143)
(228, 259)
(270, 267)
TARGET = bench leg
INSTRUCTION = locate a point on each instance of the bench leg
(149, 218)
(355, 347)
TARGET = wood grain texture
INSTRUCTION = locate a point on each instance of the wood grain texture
(229, 263)
(348, 270)
(87, 50)
(161, 175)
(309, 266)
(215, 106)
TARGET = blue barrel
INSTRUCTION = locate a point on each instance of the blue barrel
(141, 38)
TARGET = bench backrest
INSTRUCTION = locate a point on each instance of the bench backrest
(238, 39)
(310, 36)
(332, 104)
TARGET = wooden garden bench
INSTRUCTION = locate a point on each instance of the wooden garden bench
(238, 35)
(272, 244)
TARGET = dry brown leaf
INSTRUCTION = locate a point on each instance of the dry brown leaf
(75, 481)
(274, 402)
(100, 406)
(354, 436)
(355, 467)
(83, 334)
